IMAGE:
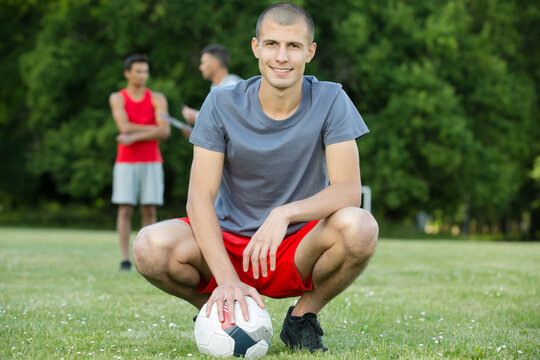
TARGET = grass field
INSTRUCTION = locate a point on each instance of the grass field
(61, 296)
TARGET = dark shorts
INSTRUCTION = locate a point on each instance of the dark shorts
(280, 283)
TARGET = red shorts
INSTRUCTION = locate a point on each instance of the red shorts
(280, 283)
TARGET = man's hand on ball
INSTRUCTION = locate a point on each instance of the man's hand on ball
(228, 292)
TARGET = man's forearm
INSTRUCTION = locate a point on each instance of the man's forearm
(205, 227)
(130, 128)
(323, 204)
(149, 133)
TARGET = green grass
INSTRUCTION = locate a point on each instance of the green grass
(61, 296)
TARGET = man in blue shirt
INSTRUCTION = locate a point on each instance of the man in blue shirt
(274, 194)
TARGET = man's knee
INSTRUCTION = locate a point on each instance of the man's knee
(359, 232)
(159, 246)
(150, 250)
(143, 250)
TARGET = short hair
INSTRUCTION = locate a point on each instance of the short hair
(220, 52)
(135, 58)
(286, 13)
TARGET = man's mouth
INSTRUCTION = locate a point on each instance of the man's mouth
(281, 71)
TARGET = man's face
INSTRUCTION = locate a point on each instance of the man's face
(283, 51)
(209, 65)
(138, 74)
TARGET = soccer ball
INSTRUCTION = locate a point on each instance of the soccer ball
(249, 339)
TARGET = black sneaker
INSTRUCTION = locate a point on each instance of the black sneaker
(125, 265)
(302, 332)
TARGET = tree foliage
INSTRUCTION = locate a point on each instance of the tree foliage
(449, 93)
(448, 89)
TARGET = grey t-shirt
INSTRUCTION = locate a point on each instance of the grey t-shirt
(269, 163)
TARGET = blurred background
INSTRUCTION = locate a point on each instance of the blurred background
(448, 88)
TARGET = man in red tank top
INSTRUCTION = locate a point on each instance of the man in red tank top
(138, 169)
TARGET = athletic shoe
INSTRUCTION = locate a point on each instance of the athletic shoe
(125, 265)
(302, 332)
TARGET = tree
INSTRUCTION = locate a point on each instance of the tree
(447, 87)
(19, 23)
(449, 109)
(76, 63)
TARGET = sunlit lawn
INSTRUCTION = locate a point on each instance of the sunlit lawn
(62, 296)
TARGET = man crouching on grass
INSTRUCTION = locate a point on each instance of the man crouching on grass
(280, 151)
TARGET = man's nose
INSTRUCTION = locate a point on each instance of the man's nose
(281, 55)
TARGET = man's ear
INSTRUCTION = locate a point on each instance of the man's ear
(311, 51)
(255, 47)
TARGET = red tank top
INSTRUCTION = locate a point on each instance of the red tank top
(140, 113)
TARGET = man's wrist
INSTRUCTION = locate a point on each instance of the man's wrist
(224, 278)
(285, 212)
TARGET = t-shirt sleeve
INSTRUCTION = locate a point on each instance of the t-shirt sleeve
(209, 132)
(344, 122)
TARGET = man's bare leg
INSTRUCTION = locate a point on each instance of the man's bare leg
(148, 215)
(123, 226)
(335, 252)
(167, 255)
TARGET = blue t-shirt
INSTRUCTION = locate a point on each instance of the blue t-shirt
(269, 163)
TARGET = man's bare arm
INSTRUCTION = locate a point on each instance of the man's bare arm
(344, 191)
(204, 184)
(120, 117)
(343, 165)
(130, 132)
(159, 132)
(161, 107)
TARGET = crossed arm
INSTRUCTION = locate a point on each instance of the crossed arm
(344, 191)
(130, 132)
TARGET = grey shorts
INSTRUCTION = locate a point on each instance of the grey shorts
(132, 182)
